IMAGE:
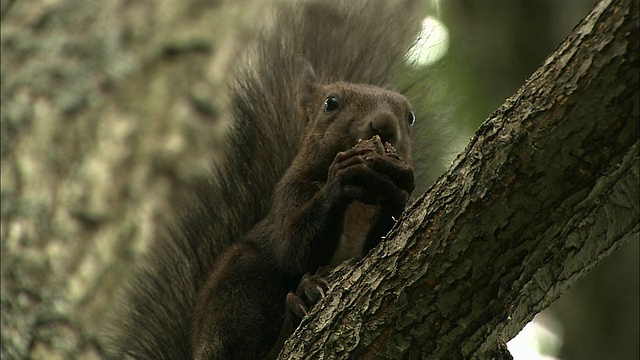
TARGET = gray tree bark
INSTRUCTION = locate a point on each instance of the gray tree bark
(546, 189)
(109, 108)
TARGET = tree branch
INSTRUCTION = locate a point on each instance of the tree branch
(546, 189)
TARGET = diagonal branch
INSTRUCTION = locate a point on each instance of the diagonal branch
(546, 189)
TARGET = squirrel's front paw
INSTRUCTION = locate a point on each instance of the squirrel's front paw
(373, 173)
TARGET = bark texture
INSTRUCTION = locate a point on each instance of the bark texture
(546, 189)
(109, 108)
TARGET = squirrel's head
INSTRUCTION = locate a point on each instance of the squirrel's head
(340, 114)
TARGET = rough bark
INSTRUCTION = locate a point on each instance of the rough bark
(109, 108)
(546, 189)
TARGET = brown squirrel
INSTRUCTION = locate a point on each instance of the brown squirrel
(298, 190)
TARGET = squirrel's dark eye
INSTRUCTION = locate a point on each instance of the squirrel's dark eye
(330, 103)
(411, 118)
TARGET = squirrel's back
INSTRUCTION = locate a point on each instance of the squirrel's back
(358, 42)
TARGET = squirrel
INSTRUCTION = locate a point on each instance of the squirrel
(317, 167)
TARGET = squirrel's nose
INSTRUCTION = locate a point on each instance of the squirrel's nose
(384, 124)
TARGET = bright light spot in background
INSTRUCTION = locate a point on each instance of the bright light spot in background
(431, 45)
(539, 340)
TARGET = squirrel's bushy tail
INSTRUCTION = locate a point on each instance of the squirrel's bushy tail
(353, 41)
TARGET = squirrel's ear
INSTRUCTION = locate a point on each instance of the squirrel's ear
(308, 87)
(305, 69)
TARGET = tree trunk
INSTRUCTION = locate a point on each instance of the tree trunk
(109, 108)
(546, 189)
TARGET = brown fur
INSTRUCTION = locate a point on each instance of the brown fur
(240, 309)
(219, 285)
